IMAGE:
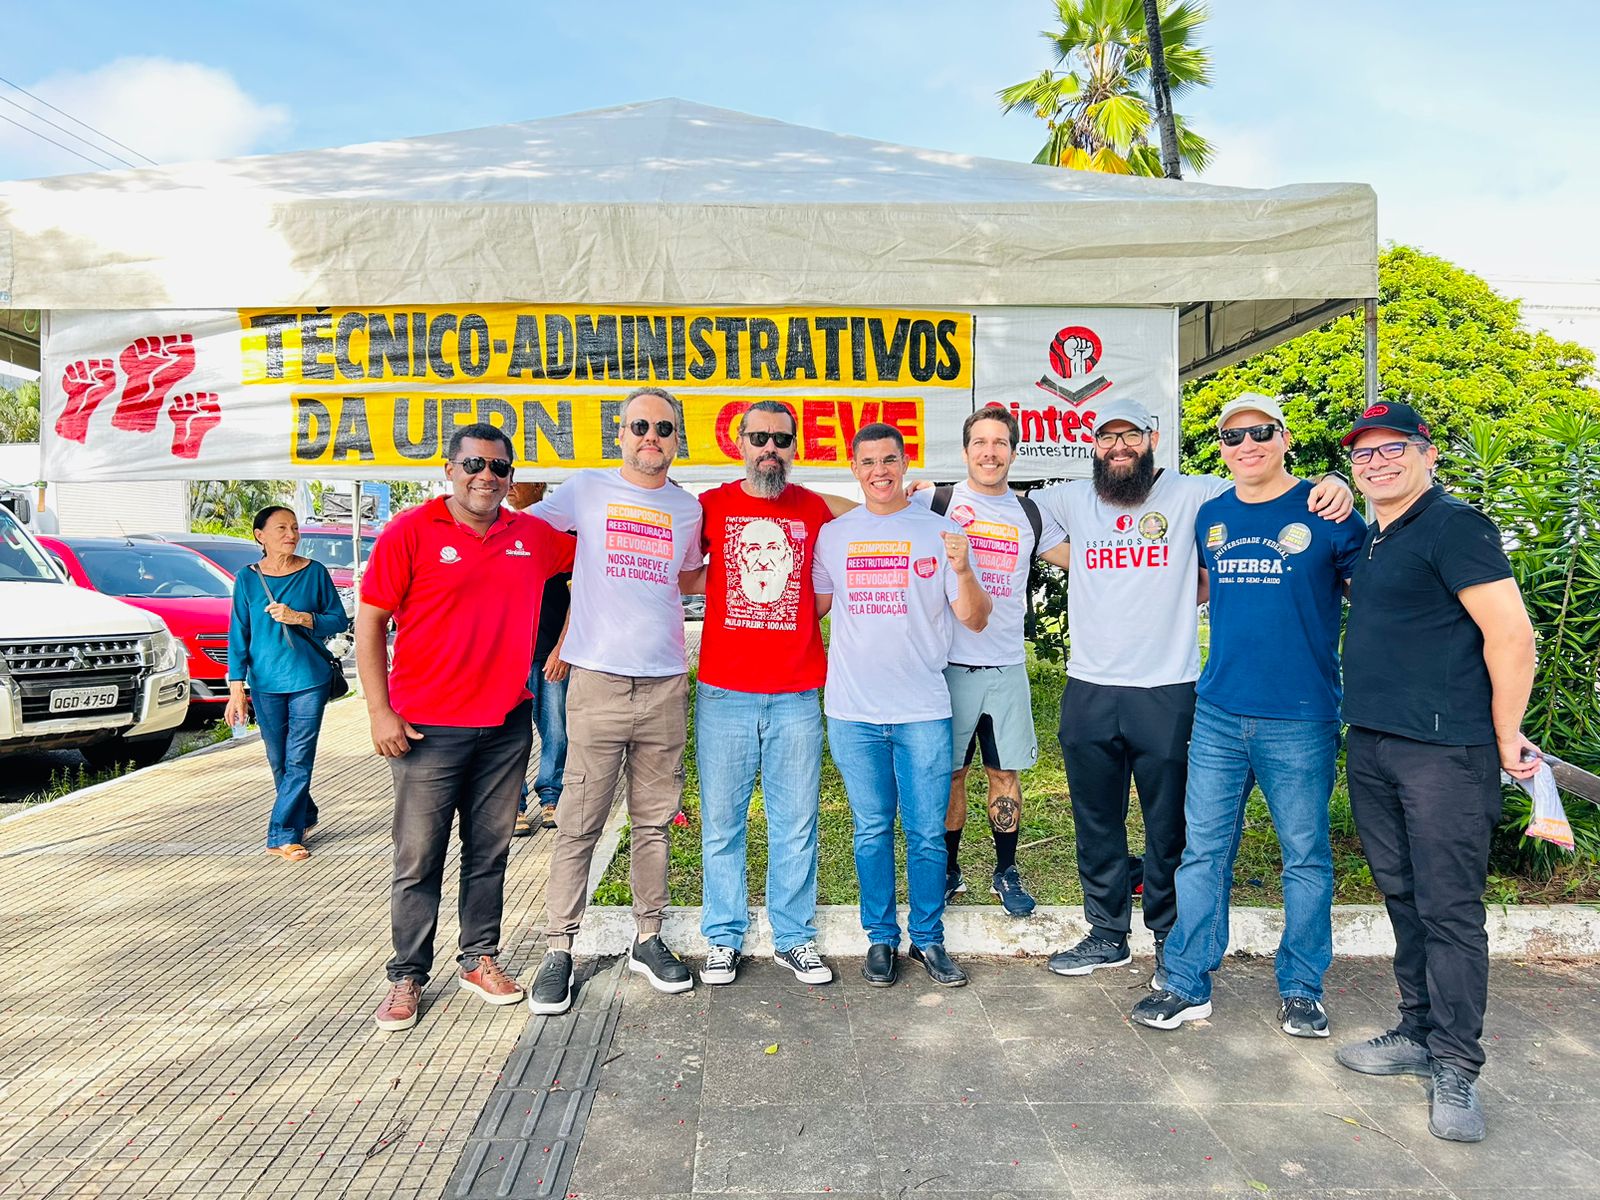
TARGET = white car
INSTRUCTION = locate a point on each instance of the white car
(79, 670)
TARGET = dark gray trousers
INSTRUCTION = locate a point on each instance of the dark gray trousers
(1426, 814)
(476, 774)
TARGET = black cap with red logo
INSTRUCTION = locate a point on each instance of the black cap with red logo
(1386, 415)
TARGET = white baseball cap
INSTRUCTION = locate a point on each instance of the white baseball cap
(1252, 402)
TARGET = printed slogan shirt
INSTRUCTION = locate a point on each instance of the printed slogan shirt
(1277, 577)
(891, 618)
(761, 632)
(1002, 552)
(1131, 612)
(627, 615)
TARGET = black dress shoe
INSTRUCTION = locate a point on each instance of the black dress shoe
(941, 967)
(880, 968)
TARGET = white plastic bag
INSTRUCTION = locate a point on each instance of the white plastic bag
(1549, 822)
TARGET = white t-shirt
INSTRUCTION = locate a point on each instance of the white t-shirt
(890, 638)
(1002, 550)
(1131, 590)
(627, 617)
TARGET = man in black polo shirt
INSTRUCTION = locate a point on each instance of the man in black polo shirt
(1438, 665)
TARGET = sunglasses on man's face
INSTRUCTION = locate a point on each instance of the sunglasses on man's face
(1258, 433)
(761, 437)
(640, 427)
(501, 467)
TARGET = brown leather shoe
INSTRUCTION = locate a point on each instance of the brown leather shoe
(399, 1007)
(549, 815)
(523, 826)
(491, 983)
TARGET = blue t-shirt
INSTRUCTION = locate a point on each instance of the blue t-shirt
(1277, 577)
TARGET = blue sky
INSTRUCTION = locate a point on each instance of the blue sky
(1475, 129)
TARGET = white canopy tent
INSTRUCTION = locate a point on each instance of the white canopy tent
(670, 202)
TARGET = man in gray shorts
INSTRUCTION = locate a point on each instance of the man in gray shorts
(988, 673)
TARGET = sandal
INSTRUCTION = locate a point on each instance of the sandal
(293, 852)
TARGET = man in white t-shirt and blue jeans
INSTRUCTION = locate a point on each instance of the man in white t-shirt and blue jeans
(990, 700)
(896, 577)
(628, 694)
(1128, 706)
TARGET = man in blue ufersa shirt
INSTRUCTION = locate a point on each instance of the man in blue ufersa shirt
(1267, 711)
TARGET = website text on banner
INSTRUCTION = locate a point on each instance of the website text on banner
(350, 392)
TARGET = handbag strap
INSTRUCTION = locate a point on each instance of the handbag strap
(300, 629)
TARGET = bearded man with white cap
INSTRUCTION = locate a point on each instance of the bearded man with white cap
(1128, 706)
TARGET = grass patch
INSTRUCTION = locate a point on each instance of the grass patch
(1047, 848)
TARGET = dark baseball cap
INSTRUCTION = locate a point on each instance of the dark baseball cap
(1402, 418)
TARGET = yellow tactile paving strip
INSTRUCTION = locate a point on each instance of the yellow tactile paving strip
(182, 1015)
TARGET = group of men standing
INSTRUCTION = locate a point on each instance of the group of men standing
(926, 665)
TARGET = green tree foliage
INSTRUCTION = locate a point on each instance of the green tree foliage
(1447, 343)
(19, 413)
(1545, 497)
(1097, 101)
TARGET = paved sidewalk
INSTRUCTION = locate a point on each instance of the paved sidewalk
(182, 1015)
(1026, 1085)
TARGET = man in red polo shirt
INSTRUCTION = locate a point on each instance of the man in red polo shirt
(462, 579)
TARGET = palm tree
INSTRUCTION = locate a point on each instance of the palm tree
(19, 413)
(1097, 101)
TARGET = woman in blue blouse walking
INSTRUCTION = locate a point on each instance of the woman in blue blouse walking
(284, 608)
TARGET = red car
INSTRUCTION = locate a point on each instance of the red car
(186, 590)
(334, 548)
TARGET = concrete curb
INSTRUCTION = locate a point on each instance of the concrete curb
(1359, 930)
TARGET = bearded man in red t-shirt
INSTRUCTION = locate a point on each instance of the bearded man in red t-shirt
(756, 705)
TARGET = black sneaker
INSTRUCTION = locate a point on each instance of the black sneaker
(954, 885)
(1158, 977)
(722, 965)
(1456, 1113)
(663, 968)
(551, 992)
(805, 962)
(1089, 955)
(1167, 1010)
(1014, 897)
(1303, 1018)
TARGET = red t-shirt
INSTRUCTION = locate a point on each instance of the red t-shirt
(466, 609)
(761, 632)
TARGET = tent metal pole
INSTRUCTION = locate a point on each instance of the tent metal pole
(1370, 355)
(355, 534)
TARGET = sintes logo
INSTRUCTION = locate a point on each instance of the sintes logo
(1074, 354)
(449, 554)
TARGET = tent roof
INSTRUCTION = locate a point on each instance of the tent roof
(670, 202)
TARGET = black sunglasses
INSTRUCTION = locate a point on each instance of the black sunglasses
(761, 437)
(501, 467)
(1258, 433)
(640, 427)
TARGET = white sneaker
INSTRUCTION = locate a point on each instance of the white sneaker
(722, 964)
(805, 962)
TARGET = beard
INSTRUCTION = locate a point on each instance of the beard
(1126, 491)
(768, 484)
(655, 467)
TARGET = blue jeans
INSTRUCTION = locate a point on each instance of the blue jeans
(290, 723)
(904, 767)
(738, 734)
(1294, 762)
(550, 719)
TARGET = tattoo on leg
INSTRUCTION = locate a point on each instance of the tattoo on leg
(1005, 813)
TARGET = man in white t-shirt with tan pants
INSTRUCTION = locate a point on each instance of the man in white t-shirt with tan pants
(628, 695)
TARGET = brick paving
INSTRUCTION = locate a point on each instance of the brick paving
(183, 1015)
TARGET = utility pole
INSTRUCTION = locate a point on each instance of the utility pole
(1163, 93)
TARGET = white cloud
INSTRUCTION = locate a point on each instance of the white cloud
(166, 110)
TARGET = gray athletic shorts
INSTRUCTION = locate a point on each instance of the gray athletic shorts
(1001, 694)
